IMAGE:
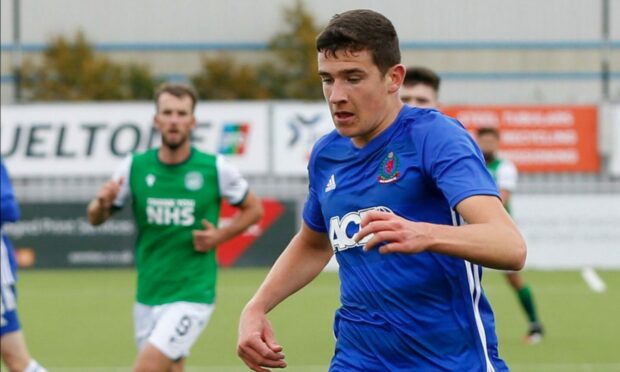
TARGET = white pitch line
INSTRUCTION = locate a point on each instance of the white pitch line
(593, 280)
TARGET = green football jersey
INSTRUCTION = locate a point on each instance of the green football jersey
(505, 175)
(169, 202)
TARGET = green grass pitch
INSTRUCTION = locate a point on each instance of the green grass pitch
(81, 320)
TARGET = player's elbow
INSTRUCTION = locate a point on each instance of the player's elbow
(519, 254)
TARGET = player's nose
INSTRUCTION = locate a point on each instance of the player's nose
(337, 93)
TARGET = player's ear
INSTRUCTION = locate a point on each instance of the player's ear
(395, 77)
(156, 122)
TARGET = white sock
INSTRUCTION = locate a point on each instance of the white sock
(33, 366)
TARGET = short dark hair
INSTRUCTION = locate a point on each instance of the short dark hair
(177, 90)
(361, 29)
(422, 75)
(482, 131)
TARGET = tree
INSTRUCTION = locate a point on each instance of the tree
(296, 51)
(289, 73)
(72, 71)
(224, 78)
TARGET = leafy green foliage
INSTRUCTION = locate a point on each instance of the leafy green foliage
(289, 73)
(72, 71)
(223, 78)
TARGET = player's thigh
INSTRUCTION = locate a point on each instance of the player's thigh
(178, 326)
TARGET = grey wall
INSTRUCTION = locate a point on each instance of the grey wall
(489, 51)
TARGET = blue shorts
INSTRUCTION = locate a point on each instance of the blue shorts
(9, 319)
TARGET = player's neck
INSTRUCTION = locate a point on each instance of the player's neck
(169, 155)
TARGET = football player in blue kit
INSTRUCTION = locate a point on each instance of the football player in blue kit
(13, 349)
(402, 197)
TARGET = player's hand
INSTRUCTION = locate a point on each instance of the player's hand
(398, 234)
(257, 346)
(108, 192)
(207, 239)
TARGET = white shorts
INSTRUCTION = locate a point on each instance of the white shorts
(172, 328)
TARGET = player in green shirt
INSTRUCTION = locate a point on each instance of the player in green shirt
(175, 192)
(505, 174)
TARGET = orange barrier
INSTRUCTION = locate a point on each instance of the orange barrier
(539, 138)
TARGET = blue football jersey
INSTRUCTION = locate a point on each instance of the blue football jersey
(404, 312)
(9, 212)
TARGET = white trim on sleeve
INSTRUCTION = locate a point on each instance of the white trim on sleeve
(232, 185)
(507, 176)
(123, 171)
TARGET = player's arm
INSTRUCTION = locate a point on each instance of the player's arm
(101, 207)
(250, 211)
(490, 237)
(303, 259)
(505, 195)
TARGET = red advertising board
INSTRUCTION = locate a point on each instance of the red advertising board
(231, 250)
(539, 138)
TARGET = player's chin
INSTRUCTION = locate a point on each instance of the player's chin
(347, 130)
(174, 142)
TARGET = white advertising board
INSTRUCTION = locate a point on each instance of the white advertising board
(570, 231)
(614, 159)
(296, 127)
(91, 139)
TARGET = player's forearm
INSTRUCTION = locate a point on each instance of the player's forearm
(297, 266)
(97, 213)
(246, 217)
(495, 245)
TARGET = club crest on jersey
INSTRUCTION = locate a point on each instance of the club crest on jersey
(193, 181)
(389, 169)
(150, 180)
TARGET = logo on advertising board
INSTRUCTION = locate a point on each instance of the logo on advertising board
(304, 131)
(234, 138)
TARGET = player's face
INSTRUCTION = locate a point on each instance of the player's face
(174, 120)
(488, 144)
(360, 97)
(419, 95)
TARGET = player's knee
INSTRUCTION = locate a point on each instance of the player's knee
(150, 362)
(15, 362)
(147, 367)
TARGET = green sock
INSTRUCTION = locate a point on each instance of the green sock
(527, 302)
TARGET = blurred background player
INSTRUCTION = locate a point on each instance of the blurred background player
(505, 174)
(13, 347)
(420, 88)
(176, 192)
